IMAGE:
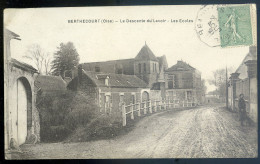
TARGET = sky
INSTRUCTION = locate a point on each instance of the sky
(94, 42)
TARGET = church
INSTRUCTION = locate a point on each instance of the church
(145, 77)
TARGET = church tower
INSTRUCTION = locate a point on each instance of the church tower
(146, 66)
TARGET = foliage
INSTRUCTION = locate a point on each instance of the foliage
(100, 127)
(40, 58)
(74, 117)
(219, 76)
(61, 113)
(66, 58)
(219, 80)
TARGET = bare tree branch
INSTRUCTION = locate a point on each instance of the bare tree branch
(40, 58)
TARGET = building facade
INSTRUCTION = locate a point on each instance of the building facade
(137, 79)
(21, 115)
(183, 83)
(110, 90)
(244, 81)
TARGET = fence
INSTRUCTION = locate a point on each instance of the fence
(152, 106)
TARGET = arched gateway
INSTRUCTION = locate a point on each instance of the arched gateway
(24, 109)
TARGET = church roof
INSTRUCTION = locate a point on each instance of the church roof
(146, 54)
(115, 80)
(180, 66)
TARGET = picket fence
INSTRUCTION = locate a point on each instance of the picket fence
(152, 106)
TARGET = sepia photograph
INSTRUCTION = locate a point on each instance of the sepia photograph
(131, 82)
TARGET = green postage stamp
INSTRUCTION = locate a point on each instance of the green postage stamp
(235, 25)
(227, 25)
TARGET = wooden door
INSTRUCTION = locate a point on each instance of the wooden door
(21, 112)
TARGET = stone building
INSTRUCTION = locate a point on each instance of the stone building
(21, 116)
(183, 83)
(145, 65)
(110, 90)
(244, 81)
(139, 77)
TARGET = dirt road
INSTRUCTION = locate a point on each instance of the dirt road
(193, 133)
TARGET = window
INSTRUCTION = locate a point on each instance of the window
(170, 81)
(106, 81)
(119, 71)
(133, 99)
(97, 69)
(189, 95)
(139, 68)
(170, 84)
(153, 67)
(144, 68)
(121, 100)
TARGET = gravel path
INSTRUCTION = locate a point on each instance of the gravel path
(205, 132)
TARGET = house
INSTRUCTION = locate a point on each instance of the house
(183, 83)
(138, 79)
(244, 81)
(110, 90)
(21, 115)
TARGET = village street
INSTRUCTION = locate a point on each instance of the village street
(203, 132)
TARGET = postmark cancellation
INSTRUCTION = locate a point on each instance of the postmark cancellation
(227, 25)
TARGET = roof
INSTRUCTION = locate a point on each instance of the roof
(242, 69)
(162, 62)
(11, 34)
(23, 66)
(115, 80)
(146, 54)
(106, 66)
(50, 83)
(109, 61)
(180, 66)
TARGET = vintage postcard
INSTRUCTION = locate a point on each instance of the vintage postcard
(131, 82)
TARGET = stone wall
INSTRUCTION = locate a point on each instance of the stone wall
(33, 126)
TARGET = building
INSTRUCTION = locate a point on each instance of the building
(110, 90)
(21, 115)
(244, 81)
(183, 83)
(145, 65)
(142, 76)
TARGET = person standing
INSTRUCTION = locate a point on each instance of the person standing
(242, 109)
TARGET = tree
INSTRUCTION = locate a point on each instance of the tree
(40, 58)
(219, 80)
(66, 58)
